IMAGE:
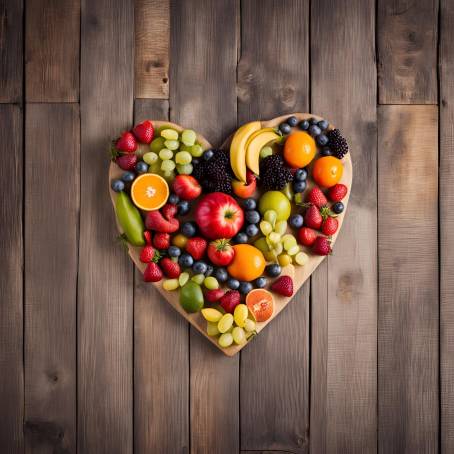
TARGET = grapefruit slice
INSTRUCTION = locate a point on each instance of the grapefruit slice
(260, 303)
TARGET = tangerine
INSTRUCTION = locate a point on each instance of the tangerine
(149, 191)
(248, 263)
(260, 302)
(299, 149)
(327, 171)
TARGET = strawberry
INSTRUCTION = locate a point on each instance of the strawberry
(316, 197)
(322, 246)
(161, 240)
(283, 285)
(147, 236)
(329, 226)
(313, 218)
(306, 236)
(186, 187)
(214, 295)
(126, 161)
(230, 300)
(337, 192)
(144, 132)
(152, 273)
(196, 247)
(156, 221)
(169, 210)
(127, 143)
(171, 269)
(147, 253)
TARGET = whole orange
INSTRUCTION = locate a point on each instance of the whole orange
(248, 263)
(327, 171)
(299, 149)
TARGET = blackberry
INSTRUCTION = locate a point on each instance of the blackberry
(198, 171)
(215, 175)
(337, 143)
(273, 174)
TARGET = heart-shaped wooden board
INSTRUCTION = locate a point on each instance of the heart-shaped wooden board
(299, 273)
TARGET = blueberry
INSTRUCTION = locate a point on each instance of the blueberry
(185, 260)
(117, 185)
(296, 221)
(208, 154)
(300, 175)
(252, 230)
(141, 167)
(261, 282)
(321, 140)
(323, 124)
(314, 130)
(304, 125)
(326, 151)
(249, 204)
(209, 270)
(273, 270)
(127, 177)
(285, 128)
(199, 267)
(221, 274)
(183, 207)
(338, 207)
(233, 284)
(313, 121)
(240, 238)
(188, 229)
(245, 287)
(299, 186)
(292, 121)
(173, 198)
(174, 251)
(252, 217)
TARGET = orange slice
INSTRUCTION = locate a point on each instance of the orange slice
(149, 191)
(260, 302)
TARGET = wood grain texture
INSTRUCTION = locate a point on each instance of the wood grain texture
(161, 396)
(275, 406)
(344, 326)
(407, 51)
(52, 42)
(446, 203)
(408, 278)
(11, 50)
(105, 310)
(152, 35)
(11, 280)
(51, 246)
(203, 97)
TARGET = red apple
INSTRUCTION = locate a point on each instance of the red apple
(220, 252)
(186, 187)
(219, 216)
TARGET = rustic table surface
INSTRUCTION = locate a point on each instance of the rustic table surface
(93, 361)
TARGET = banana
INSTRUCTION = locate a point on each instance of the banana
(238, 148)
(255, 143)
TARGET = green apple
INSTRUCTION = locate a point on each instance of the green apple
(276, 201)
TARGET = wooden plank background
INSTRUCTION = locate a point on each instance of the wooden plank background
(91, 359)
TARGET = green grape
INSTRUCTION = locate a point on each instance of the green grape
(270, 256)
(265, 227)
(225, 323)
(240, 314)
(169, 176)
(184, 147)
(183, 278)
(293, 250)
(301, 258)
(249, 325)
(274, 237)
(270, 216)
(211, 283)
(288, 191)
(172, 144)
(262, 245)
(155, 167)
(278, 248)
(225, 340)
(183, 157)
(170, 284)
(289, 241)
(165, 154)
(212, 329)
(238, 335)
(184, 169)
(198, 278)
(169, 134)
(298, 197)
(210, 314)
(158, 131)
(265, 152)
(197, 150)
(157, 145)
(284, 260)
(150, 157)
(167, 165)
(280, 227)
(188, 137)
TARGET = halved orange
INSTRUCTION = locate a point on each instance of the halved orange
(149, 191)
(260, 303)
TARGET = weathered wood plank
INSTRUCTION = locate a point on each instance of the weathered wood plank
(51, 215)
(152, 34)
(407, 51)
(344, 291)
(52, 42)
(268, 422)
(446, 217)
(408, 279)
(105, 309)
(203, 97)
(160, 348)
(11, 50)
(11, 277)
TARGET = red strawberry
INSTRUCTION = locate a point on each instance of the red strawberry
(147, 236)
(156, 221)
(126, 161)
(169, 210)
(230, 300)
(186, 187)
(214, 295)
(322, 246)
(313, 218)
(152, 273)
(337, 192)
(196, 247)
(283, 285)
(329, 226)
(306, 236)
(316, 197)
(127, 142)
(144, 132)
(161, 240)
(171, 269)
(147, 253)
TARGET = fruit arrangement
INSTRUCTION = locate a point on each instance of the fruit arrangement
(228, 235)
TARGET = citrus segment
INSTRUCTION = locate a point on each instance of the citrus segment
(261, 304)
(248, 263)
(149, 191)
